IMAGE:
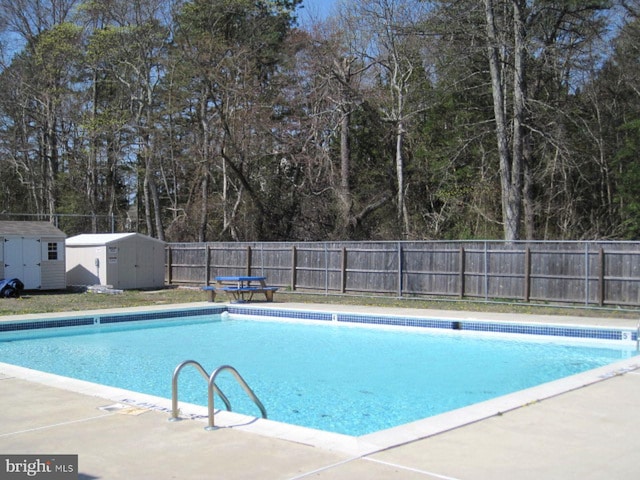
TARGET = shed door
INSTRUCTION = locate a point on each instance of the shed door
(22, 260)
(144, 264)
(126, 266)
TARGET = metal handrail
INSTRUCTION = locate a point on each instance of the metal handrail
(243, 384)
(174, 387)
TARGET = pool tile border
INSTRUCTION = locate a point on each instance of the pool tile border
(161, 315)
(40, 324)
(566, 331)
(98, 319)
(594, 333)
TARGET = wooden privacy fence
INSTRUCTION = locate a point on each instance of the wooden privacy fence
(589, 273)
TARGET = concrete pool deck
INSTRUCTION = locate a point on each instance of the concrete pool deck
(589, 432)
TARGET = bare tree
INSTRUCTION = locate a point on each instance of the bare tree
(391, 39)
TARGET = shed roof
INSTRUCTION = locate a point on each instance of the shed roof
(97, 239)
(30, 229)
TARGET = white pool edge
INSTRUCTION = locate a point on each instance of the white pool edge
(357, 446)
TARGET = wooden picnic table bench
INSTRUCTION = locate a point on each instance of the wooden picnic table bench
(238, 288)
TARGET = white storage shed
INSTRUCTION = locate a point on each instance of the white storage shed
(34, 253)
(121, 260)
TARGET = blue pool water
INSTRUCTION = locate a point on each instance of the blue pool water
(350, 380)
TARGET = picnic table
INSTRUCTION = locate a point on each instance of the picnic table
(240, 288)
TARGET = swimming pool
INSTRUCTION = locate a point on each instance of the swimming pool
(302, 372)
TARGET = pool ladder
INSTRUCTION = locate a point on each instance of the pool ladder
(212, 388)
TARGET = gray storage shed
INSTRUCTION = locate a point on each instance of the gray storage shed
(33, 252)
(121, 260)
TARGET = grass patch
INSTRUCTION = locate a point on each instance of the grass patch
(73, 301)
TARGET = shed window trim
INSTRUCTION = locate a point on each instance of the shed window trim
(52, 251)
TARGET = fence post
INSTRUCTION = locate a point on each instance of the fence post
(248, 260)
(294, 264)
(527, 274)
(461, 263)
(169, 264)
(326, 269)
(486, 272)
(399, 269)
(601, 267)
(343, 271)
(207, 265)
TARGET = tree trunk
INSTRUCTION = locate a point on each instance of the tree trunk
(344, 75)
(204, 182)
(147, 202)
(403, 215)
(528, 198)
(50, 159)
(519, 116)
(511, 156)
(204, 189)
(157, 208)
(346, 202)
(91, 183)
